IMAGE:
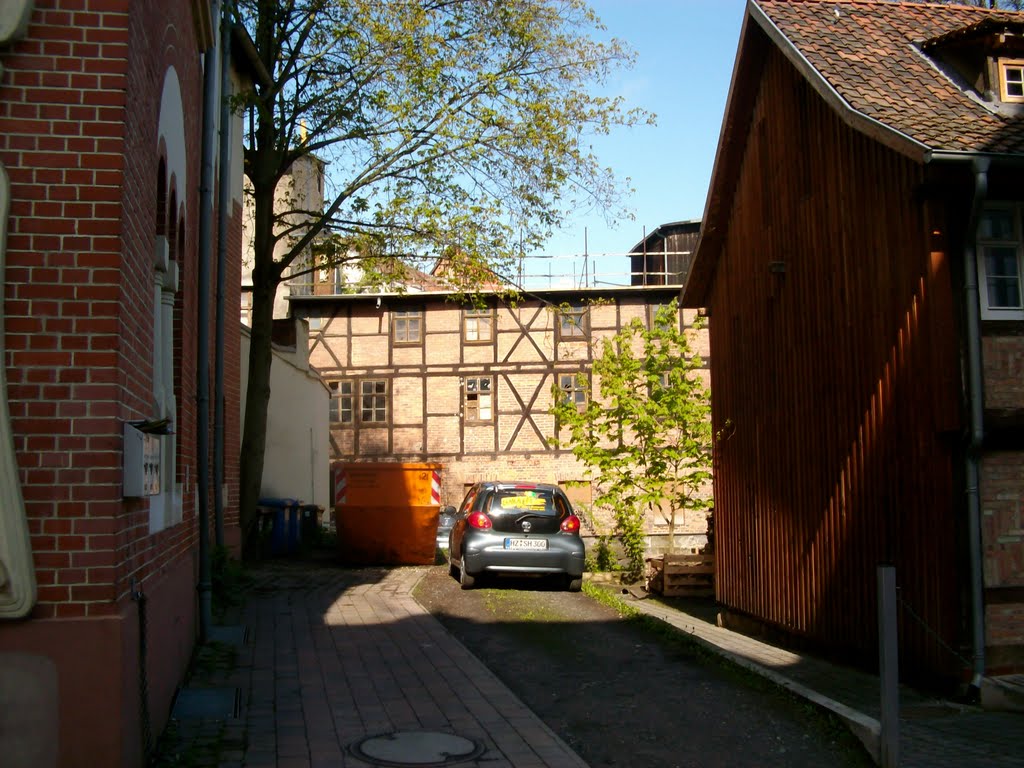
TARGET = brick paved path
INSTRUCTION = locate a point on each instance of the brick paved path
(335, 656)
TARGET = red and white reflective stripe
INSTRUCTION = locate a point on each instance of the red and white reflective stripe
(340, 487)
(435, 488)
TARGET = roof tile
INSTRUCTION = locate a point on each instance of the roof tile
(869, 53)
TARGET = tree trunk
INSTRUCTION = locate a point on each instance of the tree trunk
(254, 433)
(265, 279)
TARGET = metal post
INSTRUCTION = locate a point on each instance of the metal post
(888, 673)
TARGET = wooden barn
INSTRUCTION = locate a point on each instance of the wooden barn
(664, 256)
(860, 260)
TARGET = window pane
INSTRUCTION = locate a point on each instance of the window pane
(1014, 80)
(340, 406)
(478, 324)
(373, 400)
(1002, 277)
(996, 225)
(407, 326)
(571, 321)
(478, 399)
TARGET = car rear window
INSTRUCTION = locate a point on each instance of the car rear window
(522, 500)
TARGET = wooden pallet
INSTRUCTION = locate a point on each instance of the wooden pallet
(688, 576)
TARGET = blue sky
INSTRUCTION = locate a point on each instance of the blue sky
(685, 52)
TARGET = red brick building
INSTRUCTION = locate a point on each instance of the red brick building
(100, 137)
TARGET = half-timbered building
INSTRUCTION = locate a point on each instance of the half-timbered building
(423, 377)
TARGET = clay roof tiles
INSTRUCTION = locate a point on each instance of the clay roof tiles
(869, 53)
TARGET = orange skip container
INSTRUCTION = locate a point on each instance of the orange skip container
(386, 513)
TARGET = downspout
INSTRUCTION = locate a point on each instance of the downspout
(223, 204)
(976, 417)
(209, 146)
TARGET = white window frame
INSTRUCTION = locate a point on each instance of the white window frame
(988, 312)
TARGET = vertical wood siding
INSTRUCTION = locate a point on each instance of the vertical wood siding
(832, 343)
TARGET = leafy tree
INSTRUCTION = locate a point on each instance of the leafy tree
(450, 127)
(646, 436)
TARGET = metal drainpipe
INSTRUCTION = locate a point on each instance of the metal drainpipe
(210, 113)
(223, 203)
(977, 428)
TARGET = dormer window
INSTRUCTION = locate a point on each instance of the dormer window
(1011, 80)
(986, 58)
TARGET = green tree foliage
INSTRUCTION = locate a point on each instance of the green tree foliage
(646, 435)
(450, 127)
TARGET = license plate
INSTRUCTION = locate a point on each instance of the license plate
(526, 544)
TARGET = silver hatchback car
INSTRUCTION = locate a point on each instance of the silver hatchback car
(516, 529)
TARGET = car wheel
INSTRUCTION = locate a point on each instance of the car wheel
(465, 580)
(452, 570)
(574, 585)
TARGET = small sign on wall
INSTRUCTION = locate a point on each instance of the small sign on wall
(142, 455)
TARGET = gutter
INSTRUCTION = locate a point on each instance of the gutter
(223, 206)
(211, 111)
(972, 309)
(980, 163)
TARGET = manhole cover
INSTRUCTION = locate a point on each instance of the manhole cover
(415, 748)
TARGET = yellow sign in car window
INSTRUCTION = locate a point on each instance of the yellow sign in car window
(529, 503)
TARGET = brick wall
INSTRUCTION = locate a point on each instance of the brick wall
(79, 115)
(61, 139)
(1003, 358)
(1002, 498)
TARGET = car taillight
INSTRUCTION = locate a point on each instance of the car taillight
(479, 520)
(571, 524)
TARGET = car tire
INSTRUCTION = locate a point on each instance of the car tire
(465, 580)
(574, 585)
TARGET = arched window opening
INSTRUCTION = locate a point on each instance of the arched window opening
(165, 506)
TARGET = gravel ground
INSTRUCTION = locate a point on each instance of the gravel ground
(624, 693)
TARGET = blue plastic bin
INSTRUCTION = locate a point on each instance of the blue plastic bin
(285, 531)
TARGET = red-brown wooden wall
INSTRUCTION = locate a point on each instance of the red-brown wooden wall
(834, 386)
